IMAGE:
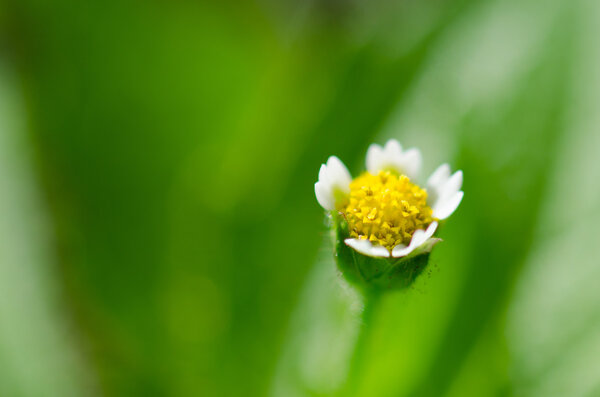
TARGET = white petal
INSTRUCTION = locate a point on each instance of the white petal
(374, 158)
(411, 163)
(400, 250)
(430, 230)
(324, 196)
(445, 206)
(334, 179)
(439, 176)
(441, 185)
(323, 174)
(392, 157)
(365, 247)
(338, 174)
(453, 184)
(393, 148)
(419, 238)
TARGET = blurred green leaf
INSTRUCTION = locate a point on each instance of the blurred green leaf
(38, 351)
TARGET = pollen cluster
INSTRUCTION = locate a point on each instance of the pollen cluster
(386, 209)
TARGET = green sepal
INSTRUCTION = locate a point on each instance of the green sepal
(370, 273)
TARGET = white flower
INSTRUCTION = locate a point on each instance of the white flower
(387, 214)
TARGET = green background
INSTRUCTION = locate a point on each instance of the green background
(159, 234)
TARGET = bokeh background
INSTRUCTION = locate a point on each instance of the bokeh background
(159, 234)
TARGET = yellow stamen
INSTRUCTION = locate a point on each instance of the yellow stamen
(386, 209)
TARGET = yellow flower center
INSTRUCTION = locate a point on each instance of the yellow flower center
(386, 209)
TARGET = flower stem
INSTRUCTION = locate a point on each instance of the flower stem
(371, 301)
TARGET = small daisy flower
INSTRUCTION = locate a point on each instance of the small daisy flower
(384, 213)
